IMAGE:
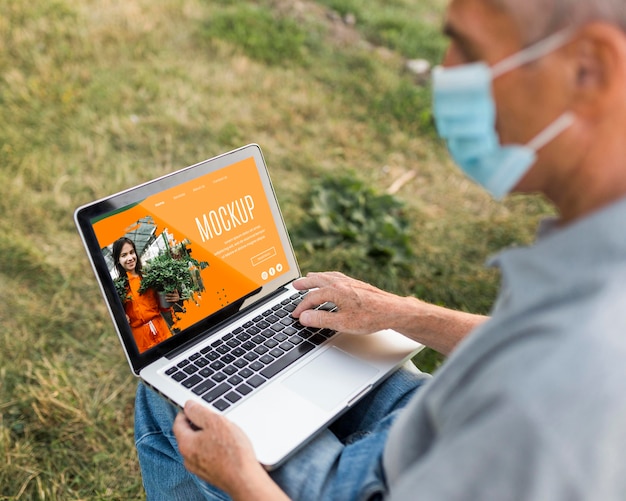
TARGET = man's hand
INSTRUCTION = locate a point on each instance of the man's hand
(361, 307)
(219, 452)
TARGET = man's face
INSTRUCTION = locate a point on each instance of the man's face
(529, 98)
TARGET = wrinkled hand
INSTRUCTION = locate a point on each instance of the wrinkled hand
(172, 297)
(362, 308)
(219, 452)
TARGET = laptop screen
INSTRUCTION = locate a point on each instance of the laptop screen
(188, 248)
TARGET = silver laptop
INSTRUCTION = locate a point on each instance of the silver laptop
(224, 336)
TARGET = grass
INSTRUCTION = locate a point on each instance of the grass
(97, 96)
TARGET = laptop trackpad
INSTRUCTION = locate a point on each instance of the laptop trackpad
(330, 378)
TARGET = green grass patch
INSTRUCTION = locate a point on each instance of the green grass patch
(412, 29)
(260, 33)
(408, 105)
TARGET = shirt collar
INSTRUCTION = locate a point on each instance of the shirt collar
(599, 236)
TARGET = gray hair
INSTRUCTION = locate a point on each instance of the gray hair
(538, 18)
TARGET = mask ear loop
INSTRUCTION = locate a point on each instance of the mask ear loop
(533, 52)
(552, 131)
(528, 55)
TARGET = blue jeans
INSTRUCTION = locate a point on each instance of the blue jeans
(343, 462)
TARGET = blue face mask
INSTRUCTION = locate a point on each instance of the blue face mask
(465, 115)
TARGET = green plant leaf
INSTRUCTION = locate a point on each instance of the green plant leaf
(345, 212)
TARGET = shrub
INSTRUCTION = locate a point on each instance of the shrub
(345, 213)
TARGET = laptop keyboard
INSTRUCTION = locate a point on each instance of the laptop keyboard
(244, 359)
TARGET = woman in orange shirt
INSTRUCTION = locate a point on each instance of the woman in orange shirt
(143, 311)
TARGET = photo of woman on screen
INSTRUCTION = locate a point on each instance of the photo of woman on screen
(143, 311)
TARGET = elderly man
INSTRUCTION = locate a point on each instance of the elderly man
(531, 404)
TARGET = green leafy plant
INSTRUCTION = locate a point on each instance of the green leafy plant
(347, 213)
(173, 270)
(121, 287)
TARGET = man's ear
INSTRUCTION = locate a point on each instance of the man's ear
(599, 68)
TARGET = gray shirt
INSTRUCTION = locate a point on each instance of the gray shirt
(531, 405)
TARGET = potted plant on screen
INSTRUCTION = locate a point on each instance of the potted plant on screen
(173, 270)
(121, 287)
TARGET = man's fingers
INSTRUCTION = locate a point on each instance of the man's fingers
(321, 291)
(181, 423)
(308, 282)
(315, 280)
(183, 430)
(317, 319)
(199, 415)
(313, 299)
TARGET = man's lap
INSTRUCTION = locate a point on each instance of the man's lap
(342, 462)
